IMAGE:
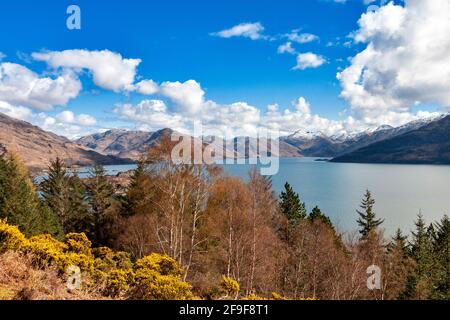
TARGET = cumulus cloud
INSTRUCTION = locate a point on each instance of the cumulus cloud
(405, 63)
(295, 36)
(286, 48)
(109, 69)
(2, 56)
(65, 123)
(146, 87)
(70, 117)
(21, 86)
(252, 31)
(302, 105)
(309, 60)
(153, 113)
(188, 96)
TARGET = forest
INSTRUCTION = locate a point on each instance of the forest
(180, 232)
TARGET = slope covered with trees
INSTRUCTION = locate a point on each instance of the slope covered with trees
(189, 231)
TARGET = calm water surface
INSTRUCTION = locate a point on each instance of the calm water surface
(401, 191)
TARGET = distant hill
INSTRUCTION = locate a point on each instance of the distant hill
(123, 143)
(429, 144)
(133, 144)
(38, 147)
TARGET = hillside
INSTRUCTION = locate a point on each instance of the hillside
(429, 144)
(37, 147)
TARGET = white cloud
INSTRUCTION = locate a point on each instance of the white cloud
(153, 113)
(109, 70)
(2, 56)
(286, 48)
(21, 86)
(301, 37)
(188, 96)
(66, 123)
(21, 113)
(146, 87)
(82, 119)
(302, 105)
(406, 61)
(252, 31)
(309, 60)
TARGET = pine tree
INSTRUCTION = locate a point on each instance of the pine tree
(140, 192)
(291, 206)
(55, 191)
(367, 217)
(421, 250)
(103, 207)
(398, 267)
(317, 215)
(19, 202)
(442, 255)
(79, 220)
(399, 241)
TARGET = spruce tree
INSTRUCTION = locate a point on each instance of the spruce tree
(367, 217)
(55, 191)
(139, 193)
(103, 207)
(79, 220)
(19, 202)
(317, 215)
(422, 253)
(291, 206)
(399, 241)
(442, 258)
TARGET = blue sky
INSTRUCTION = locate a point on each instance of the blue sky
(178, 41)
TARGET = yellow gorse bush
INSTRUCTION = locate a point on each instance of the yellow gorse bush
(158, 277)
(153, 277)
(10, 237)
(230, 286)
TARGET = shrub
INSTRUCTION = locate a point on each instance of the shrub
(161, 264)
(158, 277)
(78, 243)
(46, 250)
(10, 237)
(230, 287)
(106, 260)
(118, 282)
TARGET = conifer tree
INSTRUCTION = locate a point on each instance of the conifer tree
(103, 207)
(79, 206)
(420, 282)
(399, 241)
(291, 206)
(19, 202)
(316, 214)
(442, 255)
(367, 217)
(140, 192)
(55, 191)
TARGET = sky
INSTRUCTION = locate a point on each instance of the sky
(335, 66)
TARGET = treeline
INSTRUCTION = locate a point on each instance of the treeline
(214, 225)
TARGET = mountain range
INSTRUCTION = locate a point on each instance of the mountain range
(38, 147)
(429, 144)
(132, 144)
(423, 141)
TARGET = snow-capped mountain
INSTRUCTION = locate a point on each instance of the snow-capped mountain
(317, 144)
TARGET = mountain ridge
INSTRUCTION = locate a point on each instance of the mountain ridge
(38, 147)
(429, 144)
